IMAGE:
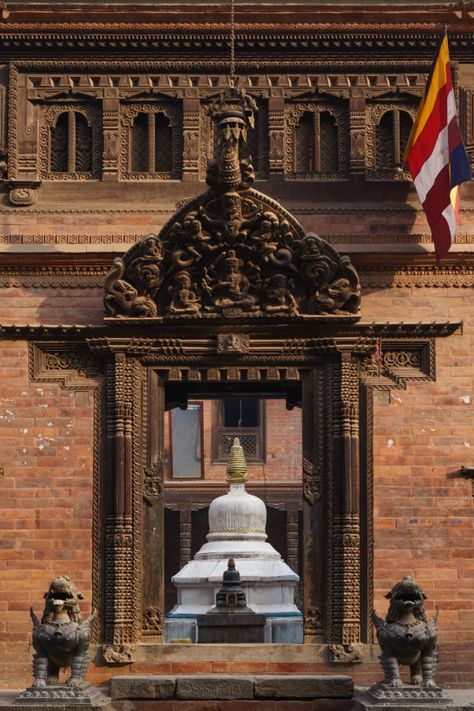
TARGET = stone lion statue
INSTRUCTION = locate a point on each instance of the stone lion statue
(406, 637)
(61, 638)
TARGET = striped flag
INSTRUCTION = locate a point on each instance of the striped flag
(436, 155)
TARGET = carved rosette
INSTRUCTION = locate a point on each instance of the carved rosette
(233, 251)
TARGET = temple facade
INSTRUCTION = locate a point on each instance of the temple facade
(293, 301)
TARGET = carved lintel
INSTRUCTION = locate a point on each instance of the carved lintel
(233, 343)
(344, 654)
(118, 653)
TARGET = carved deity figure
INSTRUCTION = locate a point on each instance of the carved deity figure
(61, 638)
(406, 637)
(231, 225)
(227, 286)
(183, 298)
(268, 240)
(278, 295)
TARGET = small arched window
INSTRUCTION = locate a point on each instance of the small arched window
(71, 144)
(316, 143)
(151, 143)
(391, 137)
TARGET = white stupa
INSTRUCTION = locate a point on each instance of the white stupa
(237, 522)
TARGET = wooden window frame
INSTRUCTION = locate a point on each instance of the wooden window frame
(219, 431)
(201, 424)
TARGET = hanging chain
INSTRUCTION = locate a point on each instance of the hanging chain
(232, 42)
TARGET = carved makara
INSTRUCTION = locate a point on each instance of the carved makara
(231, 251)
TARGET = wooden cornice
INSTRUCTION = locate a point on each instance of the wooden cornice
(203, 15)
(100, 262)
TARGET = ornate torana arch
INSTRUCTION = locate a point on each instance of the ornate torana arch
(232, 251)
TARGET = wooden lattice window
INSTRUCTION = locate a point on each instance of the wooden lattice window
(316, 143)
(242, 418)
(151, 143)
(391, 137)
(71, 144)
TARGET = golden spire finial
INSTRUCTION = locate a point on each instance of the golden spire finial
(236, 466)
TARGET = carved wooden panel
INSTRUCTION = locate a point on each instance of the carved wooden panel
(330, 167)
(388, 127)
(156, 162)
(66, 152)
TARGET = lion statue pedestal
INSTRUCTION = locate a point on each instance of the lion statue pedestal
(61, 639)
(406, 637)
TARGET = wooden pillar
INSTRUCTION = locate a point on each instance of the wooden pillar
(153, 549)
(276, 137)
(346, 537)
(111, 135)
(331, 498)
(357, 131)
(315, 504)
(121, 625)
(292, 538)
(184, 537)
(191, 109)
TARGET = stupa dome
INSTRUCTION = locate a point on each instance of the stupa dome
(237, 514)
(237, 530)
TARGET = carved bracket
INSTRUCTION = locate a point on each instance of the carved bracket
(394, 364)
(73, 365)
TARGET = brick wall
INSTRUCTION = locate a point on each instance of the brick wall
(45, 500)
(282, 445)
(423, 510)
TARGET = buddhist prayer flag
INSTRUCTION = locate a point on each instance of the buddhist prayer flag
(436, 155)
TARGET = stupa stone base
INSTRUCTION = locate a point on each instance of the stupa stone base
(277, 630)
(231, 628)
(60, 696)
(382, 697)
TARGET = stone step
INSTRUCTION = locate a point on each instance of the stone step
(232, 687)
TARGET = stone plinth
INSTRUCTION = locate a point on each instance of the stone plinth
(60, 696)
(235, 687)
(405, 698)
(231, 628)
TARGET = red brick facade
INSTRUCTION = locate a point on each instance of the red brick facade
(54, 255)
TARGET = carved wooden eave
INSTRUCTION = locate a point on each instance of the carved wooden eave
(162, 29)
(326, 43)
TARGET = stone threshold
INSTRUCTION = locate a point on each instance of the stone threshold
(231, 687)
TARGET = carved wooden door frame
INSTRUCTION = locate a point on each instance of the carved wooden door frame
(338, 366)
